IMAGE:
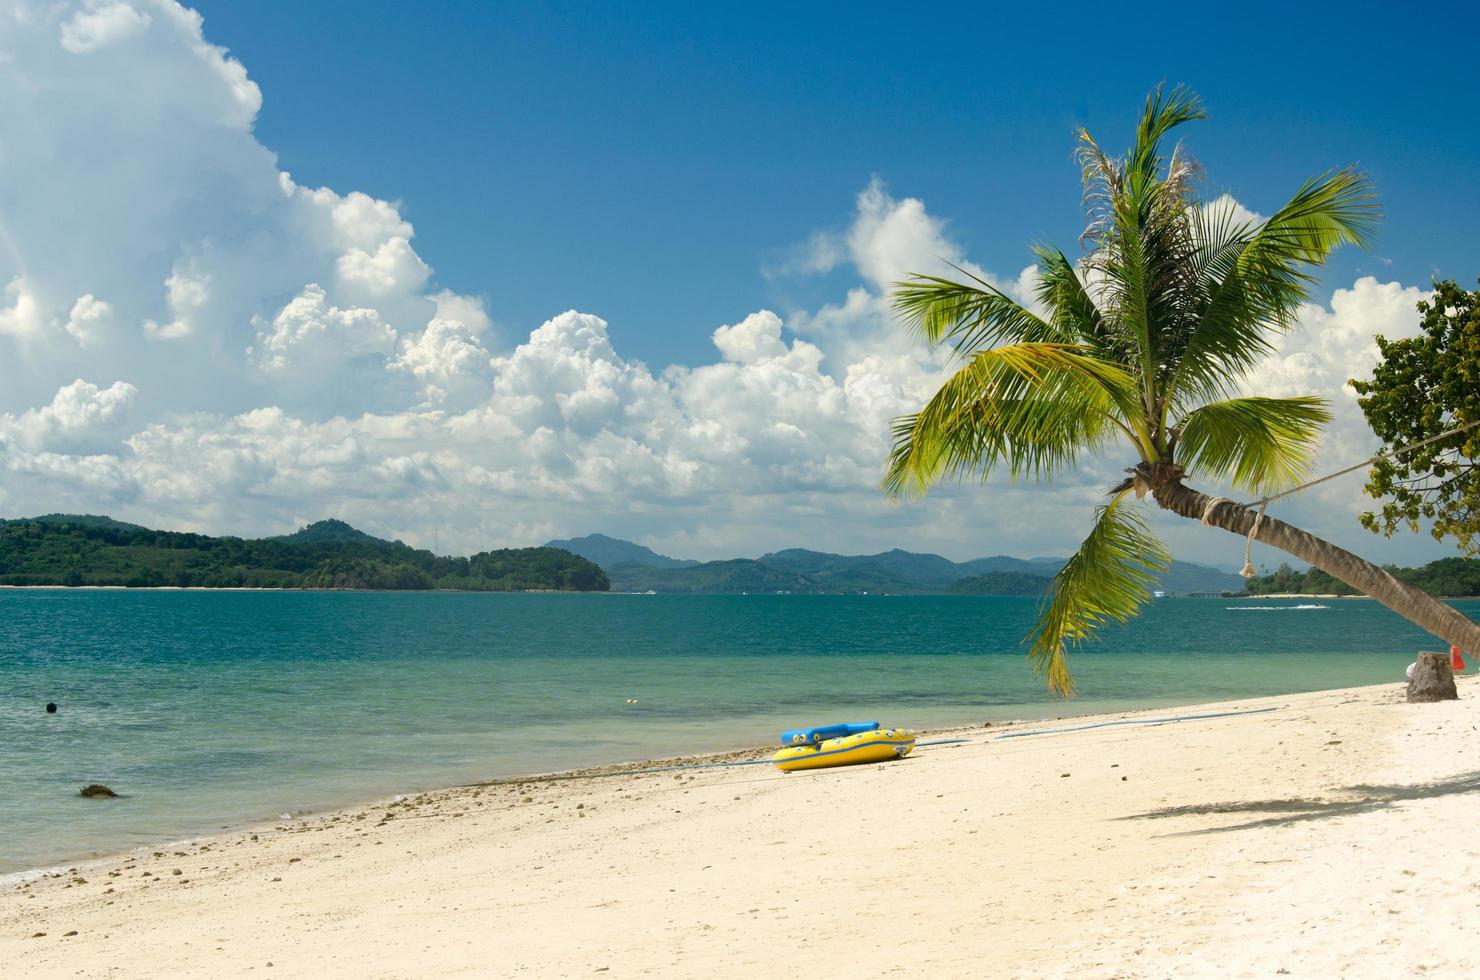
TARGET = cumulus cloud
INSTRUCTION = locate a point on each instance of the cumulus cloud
(80, 414)
(102, 25)
(289, 354)
(88, 315)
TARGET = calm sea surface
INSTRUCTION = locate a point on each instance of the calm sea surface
(211, 709)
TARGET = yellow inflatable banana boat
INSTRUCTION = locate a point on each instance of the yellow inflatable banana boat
(876, 746)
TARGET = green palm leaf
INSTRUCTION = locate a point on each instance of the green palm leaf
(969, 316)
(1253, 280)
(1033, 406)
(1108, 579)
(1257, 444)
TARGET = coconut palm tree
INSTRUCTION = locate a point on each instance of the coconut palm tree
(1144, 343)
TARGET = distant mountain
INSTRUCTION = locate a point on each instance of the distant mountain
(332, 531)
(897, 572)
(611, 552)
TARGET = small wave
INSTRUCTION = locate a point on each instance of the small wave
(1303, 605)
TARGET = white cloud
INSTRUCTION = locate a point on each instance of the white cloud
(80, 414)
(187, 297)
(88, 315)
(22, 318)
(313, 342)
(756, 338)
(102, 25)
(447, 360)
(1226, 207)
(393, 267)
(315, 366)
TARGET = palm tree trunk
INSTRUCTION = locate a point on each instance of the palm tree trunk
(1413, 604)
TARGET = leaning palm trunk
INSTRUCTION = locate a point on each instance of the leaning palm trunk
(1143, 344)
(1413, 604)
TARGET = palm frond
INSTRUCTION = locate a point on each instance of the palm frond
(969, 316)
(1253, 280)
(1166, 109)
(1064, 295)
(1258, 444)
(1034, 407)
(1107, 580)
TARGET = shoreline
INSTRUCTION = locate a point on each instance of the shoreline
(632, 766)
(1200, 838)
(251, 588)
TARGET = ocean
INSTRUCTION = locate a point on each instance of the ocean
(211, 710)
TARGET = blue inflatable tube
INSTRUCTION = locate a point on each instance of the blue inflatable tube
(811, 736)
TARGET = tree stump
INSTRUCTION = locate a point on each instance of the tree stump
(1433, 679)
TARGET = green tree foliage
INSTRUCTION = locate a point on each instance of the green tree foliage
(1425, 386)
(1445, 577)
(57, 552)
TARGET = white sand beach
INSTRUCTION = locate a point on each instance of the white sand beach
(1333, 836)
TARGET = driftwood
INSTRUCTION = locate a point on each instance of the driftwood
(1433, 679)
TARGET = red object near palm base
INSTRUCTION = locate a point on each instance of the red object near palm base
(1456, 659)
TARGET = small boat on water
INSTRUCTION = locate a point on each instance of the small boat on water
(868, 744)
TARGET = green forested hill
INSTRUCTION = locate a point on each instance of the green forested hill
(1003, 583)
(732, 576)
(327, 555)
(1445, 577)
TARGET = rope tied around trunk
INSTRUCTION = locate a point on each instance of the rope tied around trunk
(1207, 518)
(1208, 510)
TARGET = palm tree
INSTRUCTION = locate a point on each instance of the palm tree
(1144, 342)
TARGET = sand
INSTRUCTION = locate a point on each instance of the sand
(1333, 836)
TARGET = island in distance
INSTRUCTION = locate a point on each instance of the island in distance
(633, 568)
(85, 550)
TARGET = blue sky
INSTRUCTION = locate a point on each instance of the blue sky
(501, 274)
(649, 162)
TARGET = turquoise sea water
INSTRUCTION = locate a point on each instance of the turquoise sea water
(212, 709)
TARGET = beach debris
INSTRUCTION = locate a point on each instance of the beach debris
(97, 791)
(70, 933)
